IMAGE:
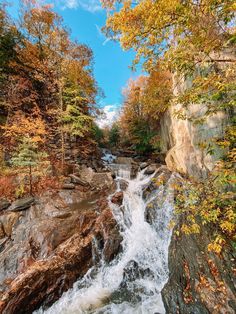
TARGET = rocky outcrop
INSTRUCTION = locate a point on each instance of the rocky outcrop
(150, 169)
(42, 281)
(188, 133)
(200, 282)
(189, 146)
(22, 204)
(47, 243)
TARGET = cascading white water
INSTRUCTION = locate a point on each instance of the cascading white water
(132, 283)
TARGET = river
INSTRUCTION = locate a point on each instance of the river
(132, 282)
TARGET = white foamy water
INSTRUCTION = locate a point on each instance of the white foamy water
(132, 283)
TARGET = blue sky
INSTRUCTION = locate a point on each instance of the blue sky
(111, 68)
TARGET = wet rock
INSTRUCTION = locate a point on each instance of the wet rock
(124, 160)
(150, 212)
(110, 234)
(22, 204)
(117, 198)
(134, 170)
(133, 271)
(46, 280)
(112, 246)
(4, 204)
(48, 247)
(150, 170)
(160, 178)
(68, 186)
(123, 184)
(143, 165)
(113, 175)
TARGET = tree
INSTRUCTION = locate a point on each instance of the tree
(195, 41)
(48, 73)
(160, 31)
(114, 135)
(29, 157)
(145, 100)
(98, 134)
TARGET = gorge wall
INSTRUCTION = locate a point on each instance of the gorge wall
(190, 147)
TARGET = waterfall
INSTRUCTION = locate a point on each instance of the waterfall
(133, 281)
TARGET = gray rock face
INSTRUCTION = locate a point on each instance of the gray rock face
(123, 184)
(143, 165)
(150, 170)
(199, 282)
(4, 204)
(186, 143)
(22, 204)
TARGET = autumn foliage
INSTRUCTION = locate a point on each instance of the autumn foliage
(48, 92)
(194, 42)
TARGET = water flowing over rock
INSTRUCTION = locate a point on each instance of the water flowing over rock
(48, 271)
(132, 281)
(47, 243)
(98, 250)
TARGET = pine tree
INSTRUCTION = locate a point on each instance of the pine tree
(28, 156)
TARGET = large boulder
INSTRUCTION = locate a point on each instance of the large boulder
(102, 180)
(123, 184)
(124, 160)
(150, 170)
(143, 165)
(48, 247)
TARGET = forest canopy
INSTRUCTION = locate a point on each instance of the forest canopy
(48, 93)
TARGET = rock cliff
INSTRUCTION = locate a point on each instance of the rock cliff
(190, 147)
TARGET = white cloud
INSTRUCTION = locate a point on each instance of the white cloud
(71, 4)
(88, 5)
(110, 115)
(101, 35)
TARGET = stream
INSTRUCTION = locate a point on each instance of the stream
(133, 281)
